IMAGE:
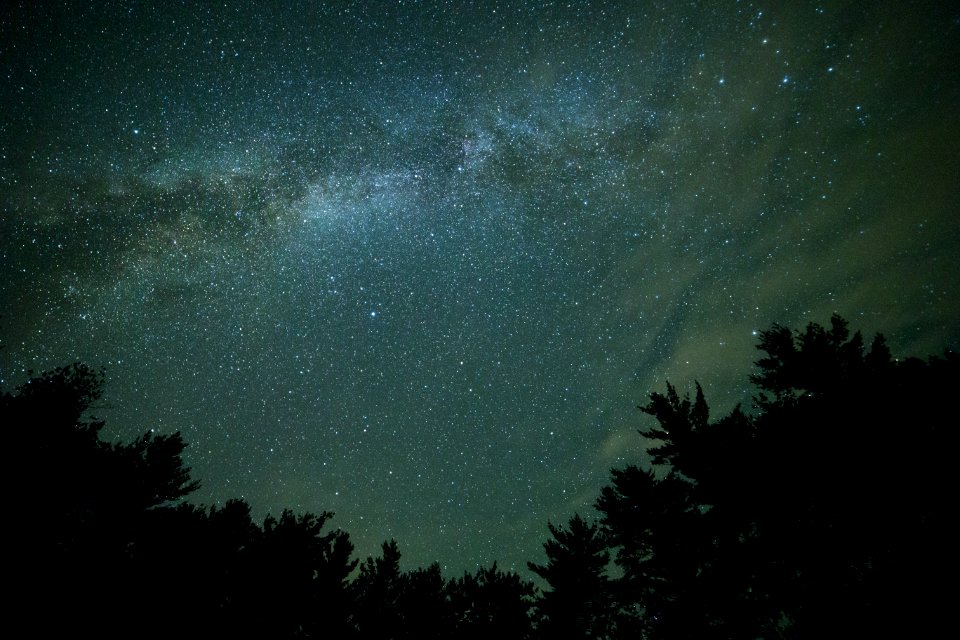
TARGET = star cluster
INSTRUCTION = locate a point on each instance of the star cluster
(417, 263)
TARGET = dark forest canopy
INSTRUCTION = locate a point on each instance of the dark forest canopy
(821, 512)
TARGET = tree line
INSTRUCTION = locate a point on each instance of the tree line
(821, 512)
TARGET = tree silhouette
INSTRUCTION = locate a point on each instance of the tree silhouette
(800, 520)
(395, 604)
(421, 604)
(103, 523)
(824, 512)
(426, 610)
(491, 604)
(657, 531)
(579, 603)
(292, 578)
(81, 502)
(378, 590)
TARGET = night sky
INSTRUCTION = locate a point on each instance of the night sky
(418, 263)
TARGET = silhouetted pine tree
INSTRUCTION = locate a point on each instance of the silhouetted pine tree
(491, 604)
(81, 502)
(377, 593)
(579, 603)
(394, 604)
(808, 519)
(103, 540)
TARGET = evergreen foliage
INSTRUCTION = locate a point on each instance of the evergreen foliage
(804, 520)
(824, 512)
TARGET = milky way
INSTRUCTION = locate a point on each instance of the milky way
(417, 263)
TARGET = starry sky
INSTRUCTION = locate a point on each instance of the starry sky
(417, 263)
